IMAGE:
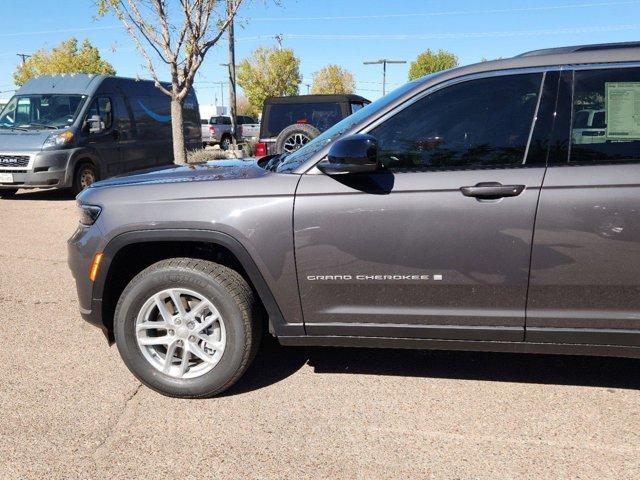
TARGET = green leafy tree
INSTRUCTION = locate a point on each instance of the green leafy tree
(269, 72)
(333, 79)
(65, 58)
(429, 62)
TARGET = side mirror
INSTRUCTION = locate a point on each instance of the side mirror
(95, 124)
(353, 154)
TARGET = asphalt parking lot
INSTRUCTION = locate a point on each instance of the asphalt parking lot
(70, 409)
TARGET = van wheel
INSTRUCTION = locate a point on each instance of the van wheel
(225, 143)
(8, 192)
(187, 328)
(84, 176)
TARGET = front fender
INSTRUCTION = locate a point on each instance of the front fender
(277, 320)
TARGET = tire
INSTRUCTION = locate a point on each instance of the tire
(84, 175)
(239, 328)
(295, 136)
(8, 192)
(225, 142)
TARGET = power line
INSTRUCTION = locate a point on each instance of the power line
(63, 30)
(453, 35)
(454, 12)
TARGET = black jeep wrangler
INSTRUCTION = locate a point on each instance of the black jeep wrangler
(290, 122)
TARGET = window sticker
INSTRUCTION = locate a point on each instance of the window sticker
(622, 103)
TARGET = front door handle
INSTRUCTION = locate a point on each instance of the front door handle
(492, 190)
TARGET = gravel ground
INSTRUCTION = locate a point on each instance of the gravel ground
(70, 409)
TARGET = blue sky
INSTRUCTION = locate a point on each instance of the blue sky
(345, 32)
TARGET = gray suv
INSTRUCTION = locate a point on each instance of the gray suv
(459, 212)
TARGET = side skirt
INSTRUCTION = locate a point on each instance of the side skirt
(468, 345)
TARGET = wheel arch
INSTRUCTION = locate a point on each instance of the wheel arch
(128, 253)
(79, 158)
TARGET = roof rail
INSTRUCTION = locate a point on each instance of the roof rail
(579, 48)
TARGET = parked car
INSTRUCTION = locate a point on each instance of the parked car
(67, 131)
(589, 126)
(288, 123)
(456, 212)
(218, 130)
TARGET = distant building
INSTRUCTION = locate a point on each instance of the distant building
(208, 111)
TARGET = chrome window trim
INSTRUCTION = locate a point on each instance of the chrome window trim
(434, 88)
(320, 156)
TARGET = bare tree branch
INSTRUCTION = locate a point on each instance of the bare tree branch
(181, 45)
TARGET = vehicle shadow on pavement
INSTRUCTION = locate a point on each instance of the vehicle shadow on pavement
(495, 367)
(52, 194)
(275, 363)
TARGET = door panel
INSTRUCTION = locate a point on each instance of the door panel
(468, 259)
(585, 266)
(105, 142)
(406, 252)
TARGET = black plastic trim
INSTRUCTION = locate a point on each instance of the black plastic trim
(465, 345)
(276, 319)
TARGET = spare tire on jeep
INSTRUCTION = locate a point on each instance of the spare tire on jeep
(295, 136)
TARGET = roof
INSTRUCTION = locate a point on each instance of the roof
(76, 83)
(581, 48)
(82, 83)
(575, 55)
(330, 98)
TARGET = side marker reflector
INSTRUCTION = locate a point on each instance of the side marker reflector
(95, 265)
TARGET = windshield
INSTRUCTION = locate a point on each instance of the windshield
(41, 111)
(297, 158)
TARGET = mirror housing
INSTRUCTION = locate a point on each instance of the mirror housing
(353, 154)
(95, 124)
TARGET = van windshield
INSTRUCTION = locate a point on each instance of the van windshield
(41, 111)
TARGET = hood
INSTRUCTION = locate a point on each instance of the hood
(200, 172)
(17, 140)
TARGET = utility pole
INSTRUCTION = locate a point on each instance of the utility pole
(23, 56)
(308, 85)
(384, 62)
(279, 37)
(231, 6)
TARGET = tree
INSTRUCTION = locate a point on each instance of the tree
(333, 79)
(65, 58)
(245, 108)
(179, 36)
(429, 62)
(269, 72)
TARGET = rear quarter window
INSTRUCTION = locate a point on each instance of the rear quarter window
(606, 116)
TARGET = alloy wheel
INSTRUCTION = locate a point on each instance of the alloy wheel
(180, 333)
(295, 141)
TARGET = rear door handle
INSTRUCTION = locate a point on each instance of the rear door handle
(492, 190)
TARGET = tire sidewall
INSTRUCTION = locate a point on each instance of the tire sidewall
(309, 130)
(77, 187)
(132, 300)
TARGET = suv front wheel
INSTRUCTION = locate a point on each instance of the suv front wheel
(187, 328)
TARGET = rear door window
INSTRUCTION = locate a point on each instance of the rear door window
(320, 115)
(606, 116)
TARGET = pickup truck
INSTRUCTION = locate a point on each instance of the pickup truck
(217, 130)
